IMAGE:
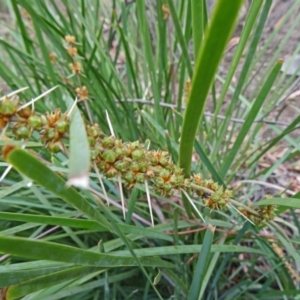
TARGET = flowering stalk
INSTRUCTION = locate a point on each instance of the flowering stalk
(129, 161)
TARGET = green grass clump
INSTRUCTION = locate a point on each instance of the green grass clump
(140, 188)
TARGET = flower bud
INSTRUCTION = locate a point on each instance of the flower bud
(25, 112)
(22, 132)
(3, 122)
(108, 142)
(119, 152)
(44, 120)
(121, 165)
(153, 160)
(165, 174)
(55, 146)
(94, 153)
(93, 130)
(159, 191)
(62, 126)
(109, 156)
(177, 170)
(112, 172)
(140, 177)
(92, 141)
(167, 187)
(143, 167)
(164, 161)
(187, 183)
(159, 182)
(35, 122)
(134, 166)
(197, 179)
(129, 177)
(8, 108)
(126, 150)
(267, 212)
(134, 145)
(177, 179)
(118, 143)
(150, 173)
(103, 166)
(50, 134)
(70, 39)
(137, 154)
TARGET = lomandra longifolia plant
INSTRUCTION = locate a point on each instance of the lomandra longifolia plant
(99, 145)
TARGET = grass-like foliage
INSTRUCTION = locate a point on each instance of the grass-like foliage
(117, 182)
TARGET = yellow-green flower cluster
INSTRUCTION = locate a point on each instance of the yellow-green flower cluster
(53, 127)
(134, 163)
(130, 161)
(263, 214)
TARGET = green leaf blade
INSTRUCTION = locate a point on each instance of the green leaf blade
(209, 58)
(41, 174)
(37, 249)
(251, 116)
(80, 159)
(201, 265)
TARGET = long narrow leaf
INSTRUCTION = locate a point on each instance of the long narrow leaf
(198, 21)
(201, 265)
(251, 117)
(245, 69)
(249, 24)
(41, 174)
(54, 252)
(33, 283)
(180, 37)
(215, 41)
(145, 34)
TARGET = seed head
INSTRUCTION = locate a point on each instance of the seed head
(70, 39)
(82, 93)
(52, 57)
(72, 51)
(76, 67)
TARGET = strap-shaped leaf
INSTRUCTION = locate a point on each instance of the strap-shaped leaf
(55, 252)
(210, 54)
(41, 174)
